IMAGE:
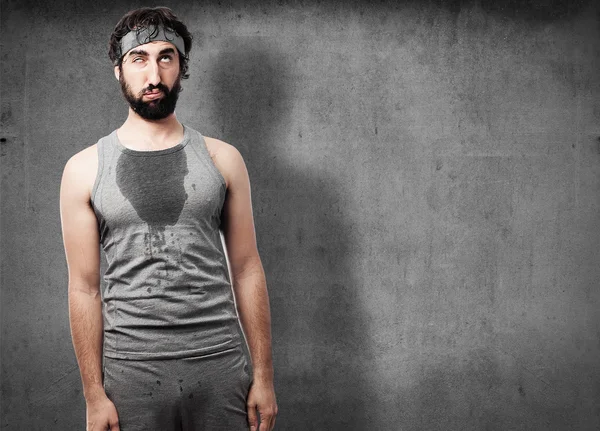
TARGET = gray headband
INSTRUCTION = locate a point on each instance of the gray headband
(150, 34)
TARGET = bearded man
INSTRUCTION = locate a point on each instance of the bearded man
(179, 338)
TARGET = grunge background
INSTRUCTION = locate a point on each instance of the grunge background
(426, 191)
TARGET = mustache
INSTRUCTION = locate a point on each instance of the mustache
(158, 86)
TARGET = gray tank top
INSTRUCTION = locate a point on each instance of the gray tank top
(167, 290)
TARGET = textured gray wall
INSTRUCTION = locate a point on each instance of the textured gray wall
(426, 181)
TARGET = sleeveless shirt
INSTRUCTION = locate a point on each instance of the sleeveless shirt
(167, 289)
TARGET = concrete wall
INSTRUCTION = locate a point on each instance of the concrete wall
(426, 191)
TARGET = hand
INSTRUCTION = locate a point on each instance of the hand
(101, 415)
(262, 398)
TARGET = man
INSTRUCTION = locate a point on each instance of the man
(162, 347)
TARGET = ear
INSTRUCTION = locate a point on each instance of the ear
(117, 72)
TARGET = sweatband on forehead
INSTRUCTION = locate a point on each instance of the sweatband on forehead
(150, 34)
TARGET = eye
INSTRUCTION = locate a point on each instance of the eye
(166, 57)
(135, 60)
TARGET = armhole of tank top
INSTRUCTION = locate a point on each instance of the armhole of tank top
(99, 170)
(210, 162)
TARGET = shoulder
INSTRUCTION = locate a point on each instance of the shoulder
(80, 170)
(227, 159)
(221, 149)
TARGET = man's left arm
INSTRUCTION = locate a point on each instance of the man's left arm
(249, 285)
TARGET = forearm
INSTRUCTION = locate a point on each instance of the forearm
(253, 308)
(85, 318)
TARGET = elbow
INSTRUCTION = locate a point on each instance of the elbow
(79, 287)
(249, 267)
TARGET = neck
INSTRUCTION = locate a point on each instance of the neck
(152, 133)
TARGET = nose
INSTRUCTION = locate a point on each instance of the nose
(153, 73)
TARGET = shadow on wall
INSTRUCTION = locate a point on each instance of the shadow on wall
(320, 345)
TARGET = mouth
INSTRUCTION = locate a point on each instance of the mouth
(153, 94)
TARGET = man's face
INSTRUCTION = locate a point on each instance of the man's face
(150, 79)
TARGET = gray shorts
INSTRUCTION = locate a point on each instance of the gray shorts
(206, 392)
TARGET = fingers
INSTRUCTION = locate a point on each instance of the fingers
(252, 419)
(267, 421)
(273, 416)
(114, 425)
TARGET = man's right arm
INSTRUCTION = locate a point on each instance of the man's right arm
(82, 250)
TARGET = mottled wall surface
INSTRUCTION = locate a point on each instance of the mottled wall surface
(426, 190)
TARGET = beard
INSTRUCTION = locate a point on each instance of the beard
(156, 109)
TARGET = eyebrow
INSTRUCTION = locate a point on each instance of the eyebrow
(142, 52)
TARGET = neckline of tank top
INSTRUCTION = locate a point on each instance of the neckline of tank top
(148, 153)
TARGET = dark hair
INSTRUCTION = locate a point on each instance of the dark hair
(145, 17)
